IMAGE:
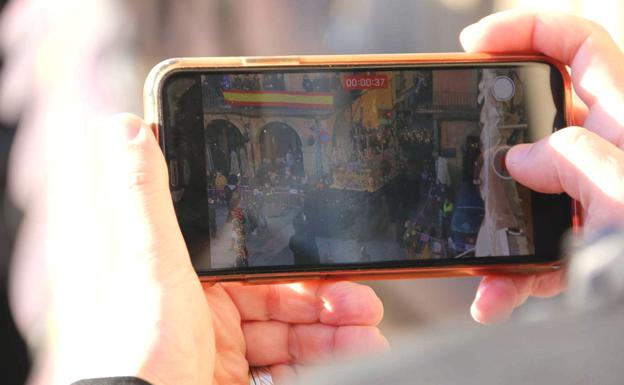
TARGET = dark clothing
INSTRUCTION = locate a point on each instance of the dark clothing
(304, 249)
(307, 85)
(112, 381)
(14, 360)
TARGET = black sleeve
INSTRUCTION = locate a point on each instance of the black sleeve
(113, 381)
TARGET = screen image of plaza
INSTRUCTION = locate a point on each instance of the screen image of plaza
(340, 167)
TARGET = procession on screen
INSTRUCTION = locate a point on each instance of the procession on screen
(317, 168)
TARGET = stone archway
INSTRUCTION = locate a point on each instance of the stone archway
(225, 148)
(280, 146)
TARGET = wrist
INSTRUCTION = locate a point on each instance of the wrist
(97, 344)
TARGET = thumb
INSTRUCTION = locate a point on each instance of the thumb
(115, 257)
(148, 229)
(578, 162)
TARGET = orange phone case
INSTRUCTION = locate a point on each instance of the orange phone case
(153, 116)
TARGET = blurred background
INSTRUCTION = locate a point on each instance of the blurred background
(66, 61)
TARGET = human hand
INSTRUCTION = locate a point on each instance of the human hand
(124, 300)
(585, 162)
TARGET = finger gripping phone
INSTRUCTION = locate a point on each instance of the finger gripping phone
(359, 167)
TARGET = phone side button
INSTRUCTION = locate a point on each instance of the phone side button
(274, 60)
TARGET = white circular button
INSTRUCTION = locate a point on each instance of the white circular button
(504, 88)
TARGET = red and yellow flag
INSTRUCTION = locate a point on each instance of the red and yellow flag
(287, 99)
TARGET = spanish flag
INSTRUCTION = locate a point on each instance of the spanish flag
(284, 99)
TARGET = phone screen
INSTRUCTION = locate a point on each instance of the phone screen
(360, 167)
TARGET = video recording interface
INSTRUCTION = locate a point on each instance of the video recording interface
(344, 167)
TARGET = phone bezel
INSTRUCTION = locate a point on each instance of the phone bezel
(154, 113)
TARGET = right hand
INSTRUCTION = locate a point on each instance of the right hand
(585, 162)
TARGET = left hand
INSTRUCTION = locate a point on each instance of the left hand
(290, 325)
(121, 295)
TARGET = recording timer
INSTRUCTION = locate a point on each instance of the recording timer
(365, 82)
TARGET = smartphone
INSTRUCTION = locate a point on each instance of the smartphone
(359, 167)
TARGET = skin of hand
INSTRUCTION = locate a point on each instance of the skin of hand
(124, 300)
(585, 162)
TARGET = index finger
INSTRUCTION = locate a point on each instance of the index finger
(498, 296)
(585, 46)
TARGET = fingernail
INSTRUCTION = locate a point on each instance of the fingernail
(492, 302)
(127, 126)
(475, 309)
(482, 287)
(131, 129)
(517, 154)
(468, 35)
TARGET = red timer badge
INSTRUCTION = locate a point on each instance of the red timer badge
(364, 82)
